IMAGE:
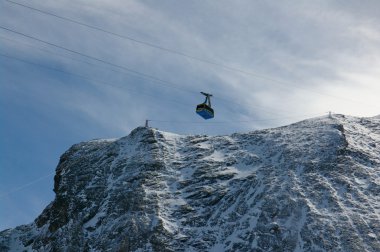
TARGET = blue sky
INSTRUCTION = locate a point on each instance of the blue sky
(270, 63)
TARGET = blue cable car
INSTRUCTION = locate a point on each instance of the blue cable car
(204, 109)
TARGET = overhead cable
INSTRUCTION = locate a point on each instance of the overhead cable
(236, 121)
(162, 81)
(88, 79)
(94, 58)
(102, 82)
(3, 195)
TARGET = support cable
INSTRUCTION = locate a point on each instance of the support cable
(163, 82)
(96, 59)
(21, 187)
(236, 121)
(87, 79)
(100, 82)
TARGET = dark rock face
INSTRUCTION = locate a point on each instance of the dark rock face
(310, 186)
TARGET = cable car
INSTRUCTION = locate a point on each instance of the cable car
(204, 109)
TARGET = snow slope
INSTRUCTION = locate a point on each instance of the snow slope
(310, 186)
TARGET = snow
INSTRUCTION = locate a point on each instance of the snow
(94, 220)
(216, 156)
(372, 235)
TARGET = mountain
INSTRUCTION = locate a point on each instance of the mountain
(310, 186)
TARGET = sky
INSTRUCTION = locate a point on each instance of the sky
(72, 71)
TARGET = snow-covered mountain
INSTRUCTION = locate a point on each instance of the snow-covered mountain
(310, 186)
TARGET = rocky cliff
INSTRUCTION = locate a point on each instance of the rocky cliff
(310, 186)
